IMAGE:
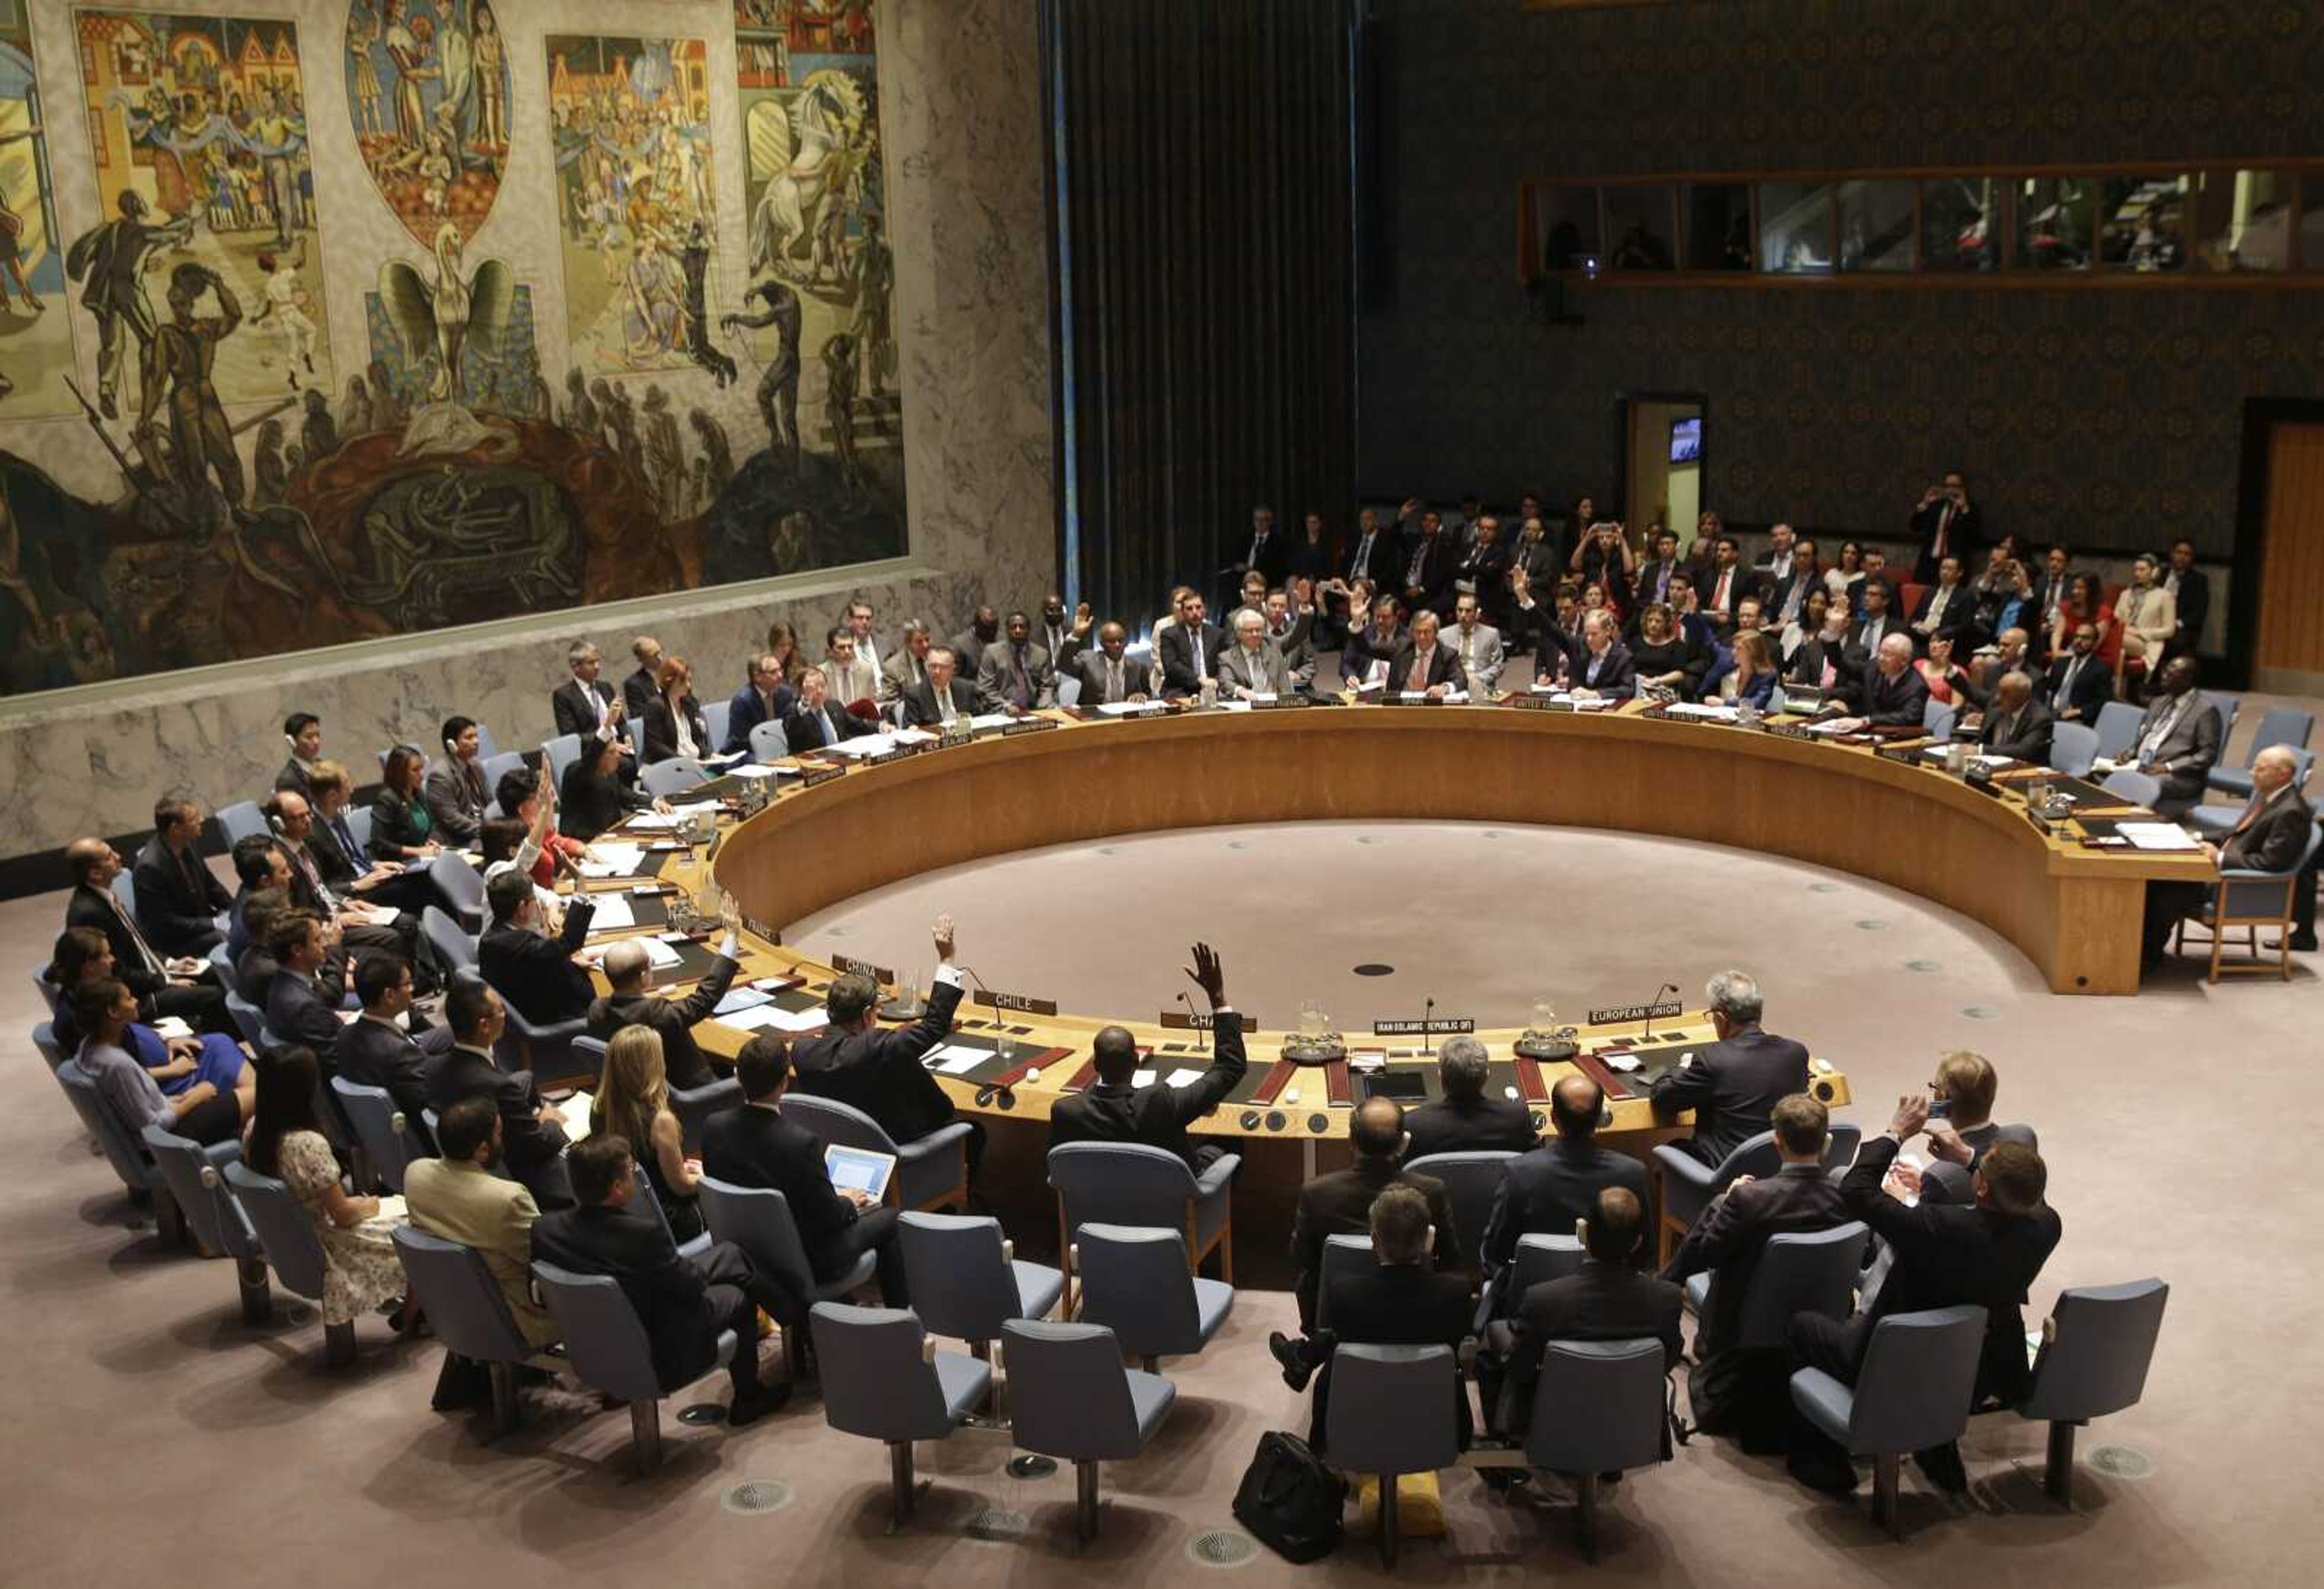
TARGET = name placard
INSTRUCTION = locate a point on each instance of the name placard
(1022, 1002)
(821, 774)
(885, 757)
(1030, 725)
(1539, 704)
(1280, 703)
(1635, 1012)
(956, 737)
(763, 929)
(1180, 1021)
(842, 964)
(1411, 698)
(1446, 1025)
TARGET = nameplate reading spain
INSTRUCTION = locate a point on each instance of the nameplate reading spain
(1180, 1021)
(1449, 1025)
(1635, 1012)
(1024, 1003)
(821, 775)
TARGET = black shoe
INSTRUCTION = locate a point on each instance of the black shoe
(1941, 1466)
(744, 1410)
(1297, 1370)
(1828, 1472)
(2302, 943)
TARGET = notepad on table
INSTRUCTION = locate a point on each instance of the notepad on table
(956, 1059)
(614, 912)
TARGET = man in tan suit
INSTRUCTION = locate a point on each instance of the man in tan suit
(459, 1199)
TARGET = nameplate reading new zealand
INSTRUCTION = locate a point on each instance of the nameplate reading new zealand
(1449, 1025)
(1635, 1012)
(1014, 1001)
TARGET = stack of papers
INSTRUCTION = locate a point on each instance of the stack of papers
(1131, 708)
(614, 912)
(956, 1059)
(863, 745)
(173, 1027)
(608, 858)
(755, 771)
(990, 720)
(773, 1017)
(654, 822)
(739, 999)
(2157, 835)
(1706, 714)
(576, 1110)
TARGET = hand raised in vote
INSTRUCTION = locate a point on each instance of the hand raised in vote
(941, 930)
(1207, 974)
(1911, 1114)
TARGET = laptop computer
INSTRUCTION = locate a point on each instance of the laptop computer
(859, 1170)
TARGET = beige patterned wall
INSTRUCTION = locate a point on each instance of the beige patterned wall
(962, 114)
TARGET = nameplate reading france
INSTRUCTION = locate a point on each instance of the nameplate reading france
(1447, 1025)
(1180, 1021)
(1024, 1003)
(1635, 1012)
(763, 929)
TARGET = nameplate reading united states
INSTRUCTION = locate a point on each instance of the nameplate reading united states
(1450, 1025)
(1014, 1001)
(1635, 1012)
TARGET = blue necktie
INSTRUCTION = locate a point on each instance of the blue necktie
(824, 717)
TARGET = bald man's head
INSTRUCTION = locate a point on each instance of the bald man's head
(2274, 768)
(625, 963)
(1616, 1221)
(1377, 1129)
(1896, 654)
(1575, 1104)
(2013, 692)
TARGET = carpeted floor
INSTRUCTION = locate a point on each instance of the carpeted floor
(158, 1436)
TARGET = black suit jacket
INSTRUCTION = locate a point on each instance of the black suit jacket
(98, 908)
(2028, 737)
(296, 1013)
(1376, 562)
(757, 1147)
(668, 1293)
(373, 1053)
(1946, 1255)
(1090, 668)
(1443, 667)
(661, 730)
(1545, 1191)
(638, 692)
(2183, 760)
(459, 1072)
(1437, 562)
(536, 972)
(177, 896)
(2093, 687)
(1341, 1204)
(1482, 1125)
(1898, 702)
(1731, 1087)
(1274, 556)
(1600, 1303)
(1177, 651)
(1733, 1233)
(674, 1018)
(921, 711)
(1616, 672)
(2193, 604)
(1398, 1305)
(573, 709)
(881, 1073)
(802, 733)
(1156, 1115)
(1721, 614)
(340, 863)
(590, 802)
(1962, 537)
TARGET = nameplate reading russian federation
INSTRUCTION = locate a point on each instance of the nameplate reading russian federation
(1446, 1025)
(1635, 1012)
(842, 964)
(821, 774)
(1280, 703)
(1022, 1002)
(1180, 1021)
(1031, 725)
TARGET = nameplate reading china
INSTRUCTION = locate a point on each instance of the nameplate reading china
(1635, 1012)
(841, 963)
(1014, 1001)
(821, 775)
(1449, 1025)
(1180, 1021)
(1031, 725)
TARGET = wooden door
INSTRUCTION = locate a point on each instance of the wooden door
(2290, 635)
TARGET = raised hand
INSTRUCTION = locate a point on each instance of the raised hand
(1207, 974)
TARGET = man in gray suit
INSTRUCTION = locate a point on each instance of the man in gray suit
(2178, 740)
(1015, 675)
(1477, 643)
(1108, 676)
(907, 664)
(1251, 665)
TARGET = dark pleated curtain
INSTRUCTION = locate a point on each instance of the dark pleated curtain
(1204, 274)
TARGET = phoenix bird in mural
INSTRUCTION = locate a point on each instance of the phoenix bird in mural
(448, 311)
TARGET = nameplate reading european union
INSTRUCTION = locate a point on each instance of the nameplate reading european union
(1635, 1012)
(1448, 1025)
(1022, 1002)
(821, 775)
(1030, 725)
(841, 963)
(1180, 1021)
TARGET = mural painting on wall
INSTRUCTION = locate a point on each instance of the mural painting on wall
(427, 91)
(35, 332)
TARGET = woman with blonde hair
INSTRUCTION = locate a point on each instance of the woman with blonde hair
(634, 1102)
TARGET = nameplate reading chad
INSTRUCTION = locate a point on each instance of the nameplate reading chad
(1180, 1021)
(1449, 1025)
(1635, 1012)
(1024, 1003)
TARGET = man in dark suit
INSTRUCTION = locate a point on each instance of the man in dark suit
(1422, 665)
(1878, 623)
(583, 704)
(2191, 594)
(1734, 1392)
(1466, 1121)
(1945, 606)
(1064, 636)
(2046, 596)
(755, 1146)
(300, 1009)
(1602, 663)
(1116, 1109)
(177, 893)
(969, 645)
(165, 985)
(1482, 571)
(1653, 583)
(1339, 1203)
(818, 722)
(683, 1302)
(1549, 1191)
(374, 1051)
(1401, 1300)
(925, 701)
(2078, 683)
(633, 1003)
(1426, 575)
(765, 698)
(2016, 724)
(1940, 1255)
(1607, 1300)
(1733, 1084)
(533, 971)
(1016, 676)
(852, 1061)
(1189, 650)
(1723, 586)
(1961, 1127)
(2177, 742)
(1946, 525)
(533, 1132)
(1890, 692)
(1107, 674)
(1370, 556)
(643, 686)
(2270, 836)
(1267, 553)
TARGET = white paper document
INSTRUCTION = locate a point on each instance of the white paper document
(576, 1111)
(655, 822)
(614, 912)
(1131, 708)
(1707, 713)
(2157, 835)
(1181, 1077)
(755, 772)
(173, 1027)
(956, 1059)
(865, 745)
(990, 720)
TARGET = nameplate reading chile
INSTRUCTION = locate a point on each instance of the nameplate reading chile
(1635, 1012)
(1014, 1001)
(1448, 1025)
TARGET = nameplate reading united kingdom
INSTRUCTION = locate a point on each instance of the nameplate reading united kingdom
(1449, 1025)
(1540, 703)
(1180, 1021)
(1635, 1012)
(1030, 725)
(1022, 1002)
(821, 774)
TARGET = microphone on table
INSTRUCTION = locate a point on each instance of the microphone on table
(1427, 1015)
(986, 1095)
(1202, 1041)
(1649, 1029)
